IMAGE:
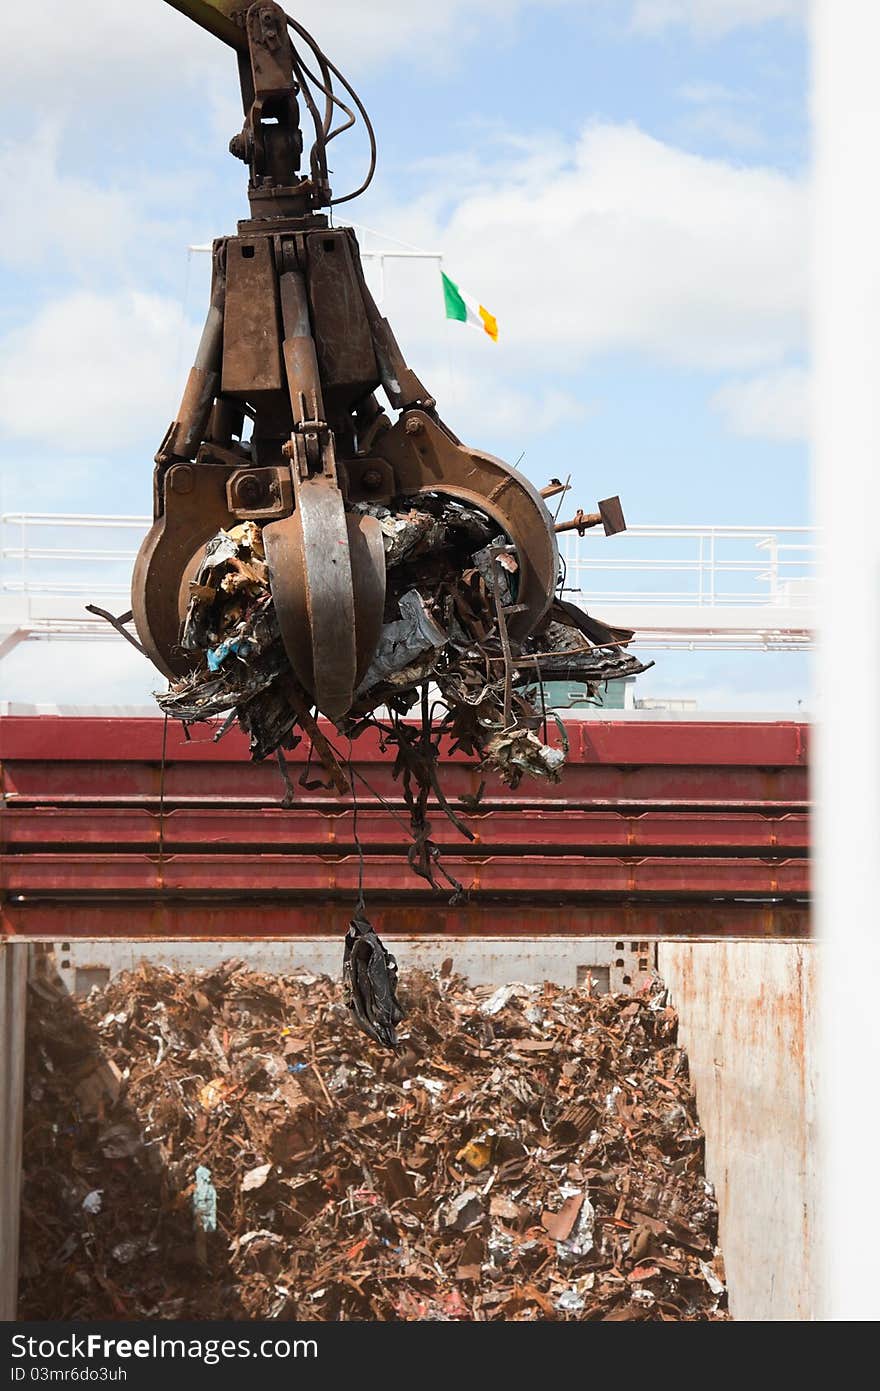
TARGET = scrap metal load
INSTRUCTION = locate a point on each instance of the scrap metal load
(312, 551)
(450, 580)
(225, 1145)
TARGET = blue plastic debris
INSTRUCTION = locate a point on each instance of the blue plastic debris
(240, 647)
(205, 1201)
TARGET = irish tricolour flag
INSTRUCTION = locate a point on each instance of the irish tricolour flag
(460, 306)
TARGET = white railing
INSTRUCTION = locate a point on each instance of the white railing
(677, 586)
(695, 566)
(38, 554)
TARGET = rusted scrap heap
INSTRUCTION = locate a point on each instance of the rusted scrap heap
(531, 1153)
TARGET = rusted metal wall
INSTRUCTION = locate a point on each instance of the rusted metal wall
(13, 988)
(747, 1014)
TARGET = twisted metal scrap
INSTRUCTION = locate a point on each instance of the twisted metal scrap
(369, 982)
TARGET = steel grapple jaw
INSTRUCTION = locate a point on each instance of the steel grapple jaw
(315, 478)
(311, 548)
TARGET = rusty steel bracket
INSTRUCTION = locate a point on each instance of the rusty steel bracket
(259, 494)
(610, 516)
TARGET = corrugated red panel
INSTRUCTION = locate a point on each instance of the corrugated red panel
(523, 831)
(698, 827)
(60, 738)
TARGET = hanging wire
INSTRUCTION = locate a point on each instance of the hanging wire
(324, 132)
(360, 907)
(159, 866)
(562, 496)
(317, 159)
(330, 97)
(562, 581)
(543, 700)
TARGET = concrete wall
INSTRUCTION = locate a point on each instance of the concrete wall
(747, 1012)
(13, 991)
(489, 961)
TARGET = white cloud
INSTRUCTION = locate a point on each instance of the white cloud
(481, 401)
(617, 242)
(72, 477)
(81, 226)
(60, 225)
(711, 93)
(100, 50)
(104, 48)
(120, 57)
(95, 371)
(772, 406)
(712, 17)
(738, 132)
(621, 242)
(722, 113)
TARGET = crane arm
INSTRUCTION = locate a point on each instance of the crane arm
(274, 55)
(217, 17)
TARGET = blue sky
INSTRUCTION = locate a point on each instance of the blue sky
(622, 183)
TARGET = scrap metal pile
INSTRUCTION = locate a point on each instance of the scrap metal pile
(227, 1144)
(450, 581)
